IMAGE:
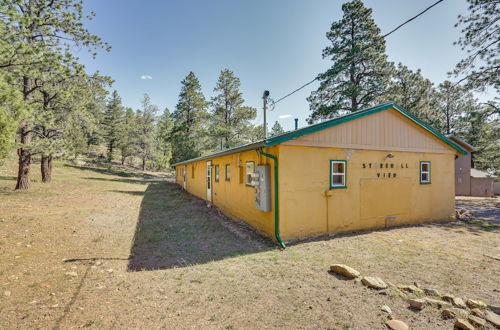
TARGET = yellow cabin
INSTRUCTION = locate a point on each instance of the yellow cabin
(370, 169)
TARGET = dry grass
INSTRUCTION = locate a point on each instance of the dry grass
(147, 255)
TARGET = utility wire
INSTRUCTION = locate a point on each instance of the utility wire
(383, 36)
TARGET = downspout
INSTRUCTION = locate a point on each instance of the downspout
(276, 199)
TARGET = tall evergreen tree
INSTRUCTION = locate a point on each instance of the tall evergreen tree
(412, 91)
(452, 104)
(113, 118)
(230, 120)
(277, 129)
(145, 133)
(189, 135)
(128, 135)
(360, 69)
(164, 136)
(39, 35)
(481, 38)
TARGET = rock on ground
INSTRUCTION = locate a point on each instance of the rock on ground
(345, 271)
(477, 321)
(450, 313)
(396, 325)
(459, 302)
(493, 318)
(374, 282)
(477, 312)
(463, 324)
(417, 303)
(432, 292)
(386, 309)
(437, 303)
(493, 308)
(475, 303)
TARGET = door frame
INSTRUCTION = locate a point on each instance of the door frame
(209, 181)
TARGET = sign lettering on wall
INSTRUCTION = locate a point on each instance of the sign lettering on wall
(382, 167)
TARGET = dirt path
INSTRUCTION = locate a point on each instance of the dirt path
(104, 249)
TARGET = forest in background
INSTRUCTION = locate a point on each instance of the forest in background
(51, 107)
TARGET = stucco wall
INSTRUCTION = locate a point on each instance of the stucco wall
(233, 197)
(309, 207)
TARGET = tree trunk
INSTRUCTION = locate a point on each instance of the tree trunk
(46, 168)
(23, 174)
(144, 164)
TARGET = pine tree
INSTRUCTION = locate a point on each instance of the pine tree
(164, 135)
(128, 135)
(256, 133)
(189, 135)
(360, 69)
(481, 39)
(452, 103)
(412, 91)
(113, 118)
(39, 36)
(230, 119)
(481, 128)
(12, 108)
(145, 133)
(277, 129)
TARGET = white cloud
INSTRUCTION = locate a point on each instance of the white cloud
(285, 116)
(146, 77)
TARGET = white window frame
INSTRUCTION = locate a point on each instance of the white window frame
(428, 172)
(342, 174)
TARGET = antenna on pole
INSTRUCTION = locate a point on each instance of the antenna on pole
(265, 97)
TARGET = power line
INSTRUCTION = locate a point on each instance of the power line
(383, 36)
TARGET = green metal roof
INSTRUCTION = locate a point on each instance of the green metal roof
(277, 139)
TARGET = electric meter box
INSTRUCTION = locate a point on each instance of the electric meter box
(262, 184)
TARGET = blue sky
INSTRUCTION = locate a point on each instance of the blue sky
(274, 45)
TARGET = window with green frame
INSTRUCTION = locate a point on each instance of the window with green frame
(338, 174)
(425, 172)
(216, 170)
(228, 172)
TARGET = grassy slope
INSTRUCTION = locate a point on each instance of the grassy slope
(160, 259)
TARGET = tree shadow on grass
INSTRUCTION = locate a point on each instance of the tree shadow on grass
(114, 171)
(176, 229)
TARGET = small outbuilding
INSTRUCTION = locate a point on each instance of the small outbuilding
(373, 168)
(470, 181)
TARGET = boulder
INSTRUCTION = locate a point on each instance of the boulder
(450, 313)
(459, 302)
(493, 308)
(493, 318)
(475, 303)
(477, 312)
(463, 324)
(412, 289)
(432, 292)
(417, 303)
(396, 325)
(477, 321)
(448, 297)
(386, 309)
(345, 271)
(374, 282)
(437, 303)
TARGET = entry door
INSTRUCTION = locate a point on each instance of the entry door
(209, 181)
(184, 177)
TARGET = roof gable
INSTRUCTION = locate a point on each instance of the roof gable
(360, 114)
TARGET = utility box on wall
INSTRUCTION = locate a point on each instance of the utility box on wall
(262, 183)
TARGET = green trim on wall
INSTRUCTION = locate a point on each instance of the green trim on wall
(345, 173)
(420, 171)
